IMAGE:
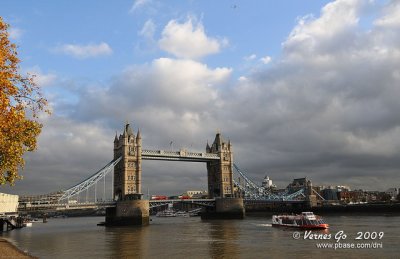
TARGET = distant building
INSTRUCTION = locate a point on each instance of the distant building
(342, 188)
(8, 204)
(197, 194)
(352, 196)
(338, 192)
(330, 193)
(267, 183)
(393, 192)
(371, 196)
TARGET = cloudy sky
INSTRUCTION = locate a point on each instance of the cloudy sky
(301, 88)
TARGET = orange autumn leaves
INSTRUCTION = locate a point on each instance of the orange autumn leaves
(20, 104)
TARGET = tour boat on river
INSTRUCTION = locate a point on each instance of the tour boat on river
(305, 220)
(166, 213)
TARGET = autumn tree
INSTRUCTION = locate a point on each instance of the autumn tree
(20, 104)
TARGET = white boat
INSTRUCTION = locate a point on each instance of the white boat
(166, 213)
(195, 212)
(169, 212)
(28, 224)
(305, 220)
(182, 214)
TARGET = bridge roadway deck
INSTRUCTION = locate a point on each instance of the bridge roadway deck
(153, 203)
(253, 201)
(66, 206)
(98, 205)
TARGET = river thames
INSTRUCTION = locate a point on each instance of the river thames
(253, 237)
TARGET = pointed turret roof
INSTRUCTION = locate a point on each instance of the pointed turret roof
(128, 130)
(124, 134)
(116, 138)
(139, 136)
(218, 139)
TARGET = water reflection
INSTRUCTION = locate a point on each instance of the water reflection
(193, 238)
(223, 235)
(128, 242)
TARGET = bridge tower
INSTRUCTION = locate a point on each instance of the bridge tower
(220, 177)
(220, 183)
(128, 172)
(130, 208)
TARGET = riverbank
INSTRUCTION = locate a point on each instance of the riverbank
(8, 250)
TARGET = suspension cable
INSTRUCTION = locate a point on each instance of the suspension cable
(87, 183)
(104, 188)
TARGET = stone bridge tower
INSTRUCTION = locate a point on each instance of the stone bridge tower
(220, 178)
(130, 209)
(128, 172)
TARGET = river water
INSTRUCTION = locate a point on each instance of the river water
(252, 237)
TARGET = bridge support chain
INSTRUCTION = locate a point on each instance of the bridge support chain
(225, 208)
(128, 213)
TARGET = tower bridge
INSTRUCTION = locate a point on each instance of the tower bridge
(128, 171)
(227, 196)
(127, 186)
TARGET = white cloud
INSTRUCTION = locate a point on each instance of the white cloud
(188, 40)
(85, 51)
(180, 80)
(332, 29)
(147, 43)
(266, 59)
(171, 84)
(391, 16)
(250, 57)
(15, 33)
(45, 79)
(148, 29)
(42, 79)
(138, 4)
(242, 79)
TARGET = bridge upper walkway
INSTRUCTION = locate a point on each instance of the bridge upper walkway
(181, 155)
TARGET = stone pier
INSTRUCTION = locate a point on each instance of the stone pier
(225, 208)
(128, 213)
